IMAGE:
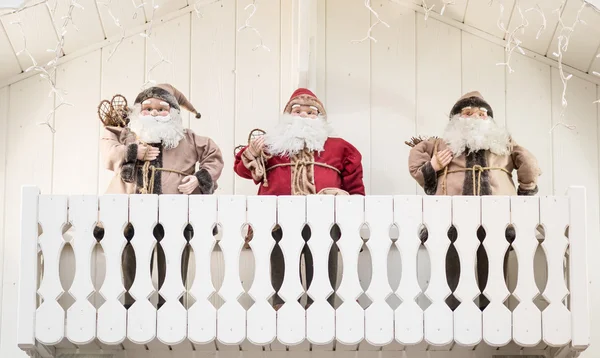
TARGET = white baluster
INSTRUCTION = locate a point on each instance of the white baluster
(172, 316)
(438, 316)
(112, 316)
(527, 318)
(556, 318)
(408, 216)
(578, 268)
(291, 322)
(350, 316)
(202, 315)
(141, 316)
(262, 319)
(50, 317)
(231, 317)
(81, 316)
(466, 216)
(320, 316)
(379, 316)
(497, 320)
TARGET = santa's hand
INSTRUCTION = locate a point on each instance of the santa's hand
(147, 152)
(441, 159)
(257, 145)
(188, 184)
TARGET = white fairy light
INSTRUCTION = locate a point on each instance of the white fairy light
(446, 4)
(539, 10)
(564, 36)
(148, 32)
(48, 72)
(512, 42)
(108, 4)
(379, 21)
(160, 61)
(427, 9)
(247, 26)
(202, 3)
(137, 7)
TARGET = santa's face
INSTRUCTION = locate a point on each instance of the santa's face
(468, 133)
(475, 113)
(154, 121)
(305, 111)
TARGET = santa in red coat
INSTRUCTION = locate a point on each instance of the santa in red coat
(299, 156)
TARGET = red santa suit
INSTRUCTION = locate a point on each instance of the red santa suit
(336, 169)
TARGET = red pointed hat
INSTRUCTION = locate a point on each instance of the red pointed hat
(305, 97)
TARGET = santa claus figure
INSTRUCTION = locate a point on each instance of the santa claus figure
(301, 157)
(475, 156)
(155, 154)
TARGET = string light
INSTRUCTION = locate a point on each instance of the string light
(161, 61)
(247, 26)
(199, 4)
(151, 23)
(512, 42)
(564, 36)
(136, 8)
(446, 3)
(48, 72)
(379, 21)
(108, 4)
(539, 10)
(427, 9)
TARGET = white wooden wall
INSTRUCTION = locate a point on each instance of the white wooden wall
(377, 95)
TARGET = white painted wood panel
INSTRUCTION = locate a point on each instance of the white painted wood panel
(481, 72)
(528, 110)
(119, 15)
(4, 99)
(9, 65)
(84, 28)
(77, 127)
(257, 96)
(154, 9)
(534, 37)
(486, 16)
(213, 81)
(28, 36)
(584, 41)
(163, 45)
(393, 105)
(348, 82)
(438, 82)
(22, 132)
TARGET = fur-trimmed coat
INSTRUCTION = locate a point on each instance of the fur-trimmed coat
(494, 181)
(339, 168)
(120, 156)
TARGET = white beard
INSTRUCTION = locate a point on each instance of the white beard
(157, 129)
(473, 134)
(293, 133)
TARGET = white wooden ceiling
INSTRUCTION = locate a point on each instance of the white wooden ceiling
(41, 25)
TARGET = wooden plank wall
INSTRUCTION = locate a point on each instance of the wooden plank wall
(377, 94)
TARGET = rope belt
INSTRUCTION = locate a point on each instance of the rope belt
(477, 170)
(300, 170)
(148, 175)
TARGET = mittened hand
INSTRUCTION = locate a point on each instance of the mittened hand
(257, 145)
(147, 152)
(441, 159)
(188, 184)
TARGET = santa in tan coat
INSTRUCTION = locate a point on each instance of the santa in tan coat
(155, 154)
(475, 156)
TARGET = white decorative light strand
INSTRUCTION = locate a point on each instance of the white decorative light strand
(446, 4)
(512, 42)
(161, 61)
(151, 22)
(199, 4)
(48, 72)
(108, 4)
(564, 36)
(379, 21)
(539, 10)
(247, 26)
(136, 7)
(427, 9)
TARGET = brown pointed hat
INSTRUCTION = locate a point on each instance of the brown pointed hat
(471, 99)
(169, 94)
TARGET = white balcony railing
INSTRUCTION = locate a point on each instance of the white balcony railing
(563, 323)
